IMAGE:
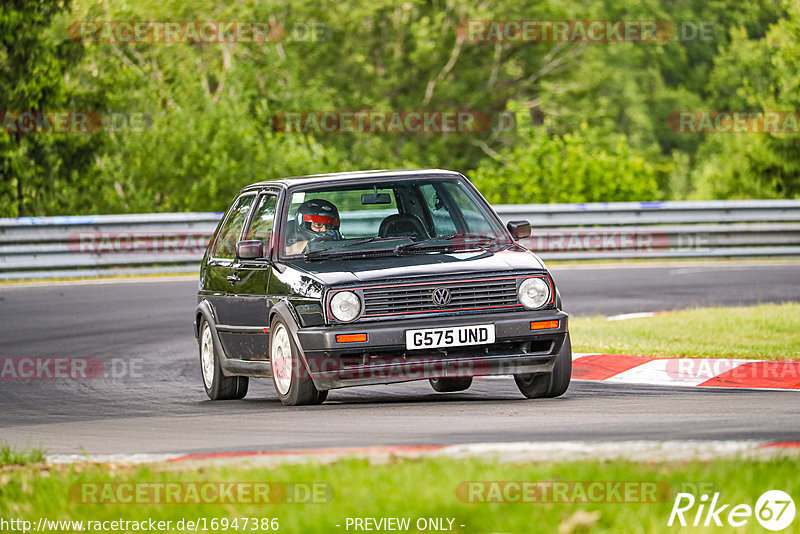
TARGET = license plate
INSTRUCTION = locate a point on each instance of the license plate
(455, 336)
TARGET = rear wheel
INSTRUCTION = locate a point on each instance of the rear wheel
(449, 385)
(548, 385)
(217, 385)
(292, 381)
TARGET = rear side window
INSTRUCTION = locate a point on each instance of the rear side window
(225, 246)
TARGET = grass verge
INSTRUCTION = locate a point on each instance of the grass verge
(767, 331)
(11, 456)
(425, 488)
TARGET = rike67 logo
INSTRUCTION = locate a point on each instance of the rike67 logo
(774, 510)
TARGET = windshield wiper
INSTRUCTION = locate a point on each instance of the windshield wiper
(376, 238)
(328, 251)
(429, 244)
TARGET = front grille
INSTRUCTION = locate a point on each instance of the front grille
(407, 299)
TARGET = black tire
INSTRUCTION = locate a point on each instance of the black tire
(549, 385)
(301, 390)
(217, 385)
(321, 396)
(449, 385)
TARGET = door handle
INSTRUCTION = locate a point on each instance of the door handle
(233, 278)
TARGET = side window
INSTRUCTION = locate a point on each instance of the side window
(263, 219)
(476, 221)
(442, 221)
(225, 246)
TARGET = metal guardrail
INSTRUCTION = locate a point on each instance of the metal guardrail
(47, 247)
(671, 229)
(97, 245)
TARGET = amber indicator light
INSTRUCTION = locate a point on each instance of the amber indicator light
(542, 325)
(351, 338)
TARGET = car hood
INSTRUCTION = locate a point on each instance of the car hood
(343, 271)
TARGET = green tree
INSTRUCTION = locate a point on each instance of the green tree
(586, 165)
(755, 74)
(38, 170)
(211, 105)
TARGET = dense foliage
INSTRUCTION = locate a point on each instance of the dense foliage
(591, 118)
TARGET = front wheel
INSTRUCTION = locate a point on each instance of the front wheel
(292, 382)
(449, 385)
(217, 385)
(548, 385)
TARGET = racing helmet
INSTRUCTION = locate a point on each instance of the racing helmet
(316, 211)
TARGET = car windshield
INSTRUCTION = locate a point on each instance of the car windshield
(423, 215)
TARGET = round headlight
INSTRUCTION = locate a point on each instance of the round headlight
(345, 306)
(533, 293)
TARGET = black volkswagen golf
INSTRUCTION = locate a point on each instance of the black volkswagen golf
(375, 277)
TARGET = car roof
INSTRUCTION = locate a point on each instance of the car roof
(355, 176)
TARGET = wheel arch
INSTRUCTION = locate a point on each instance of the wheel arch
(284, 309)
(205, 311)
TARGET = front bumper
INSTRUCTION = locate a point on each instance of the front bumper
(384, 359)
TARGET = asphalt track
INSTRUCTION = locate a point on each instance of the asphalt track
(162, 407)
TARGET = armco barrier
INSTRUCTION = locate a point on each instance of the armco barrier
(46, 247)
(688, 229)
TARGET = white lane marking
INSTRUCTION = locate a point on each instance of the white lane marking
(635, 450)
(626, 316)
(138, 458)
(639, 450)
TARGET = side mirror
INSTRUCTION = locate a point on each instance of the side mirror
(519, 229)
(250, 250)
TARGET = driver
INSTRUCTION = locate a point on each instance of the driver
(317, 220)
